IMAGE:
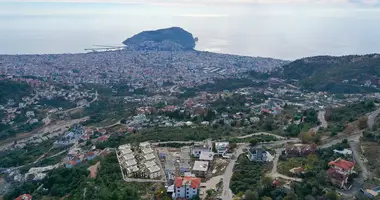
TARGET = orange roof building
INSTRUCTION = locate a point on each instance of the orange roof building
(186, 187)
(24, 197)
(342, 164)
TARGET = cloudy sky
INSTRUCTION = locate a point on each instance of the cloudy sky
(165, 2)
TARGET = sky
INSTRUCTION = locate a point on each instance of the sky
(285, 29)
(368, 3)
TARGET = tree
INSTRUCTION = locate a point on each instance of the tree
(291, 196)
(253, 142)
(328, 113)
(266, 198)
(250, 195)
(363, 122)
(267, 181)
(306, 137)
(196, 198)
(332, 195)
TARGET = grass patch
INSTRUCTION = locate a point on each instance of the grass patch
(371, 151)
(247, 175)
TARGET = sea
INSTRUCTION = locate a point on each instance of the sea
(279, 31)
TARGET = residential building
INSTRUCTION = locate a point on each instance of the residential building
(339, 172)
(200, 168)
(221, 148)
(24, 197)
(259, 155)
(371, 193)
(198, 148)
(207, 156)
(154, 172)
(186, 187)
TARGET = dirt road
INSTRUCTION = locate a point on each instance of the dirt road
(372, 117)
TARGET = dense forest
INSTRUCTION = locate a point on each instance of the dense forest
(75, 184)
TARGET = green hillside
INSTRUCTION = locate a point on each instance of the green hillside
(345, 74)
(13, 90)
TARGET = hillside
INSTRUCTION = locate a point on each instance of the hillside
(164, 39)
(13, 90)
(345, 74)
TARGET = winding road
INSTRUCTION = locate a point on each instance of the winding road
(275, 174)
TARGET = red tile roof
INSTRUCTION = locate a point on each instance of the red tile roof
(341, 163)
(194, 182)
(24, 197)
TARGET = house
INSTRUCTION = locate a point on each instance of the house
(339, 172)
(221, 148)
(186, 187)
(149, 157)
(198, 148)
(91, 155)
(30, 114)
(24, 197)
(345, 152)
(371, 193)
(299, 150)
(206, 156)
(70, 164)
(297, 170)
(200, 168)
(259, 155)
(154, 172)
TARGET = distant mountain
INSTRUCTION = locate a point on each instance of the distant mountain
(174, 38)
(345, 74)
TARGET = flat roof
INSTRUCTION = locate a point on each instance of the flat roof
(130, 163)
(200, 166)
(221, 145)
(144, 145)
(126, 151)
(128, 157)
(206, 156)
(147, 150)
(149, 164)
(149, 157)
(153, 169)
(133, 169)
(125, 146)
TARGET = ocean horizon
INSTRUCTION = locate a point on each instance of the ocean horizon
(266, 31)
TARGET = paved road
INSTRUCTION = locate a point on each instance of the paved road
(261, 133)
(372, 117)
(275, 174)
(227, 193)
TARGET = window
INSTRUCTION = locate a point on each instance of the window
(178, 191)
